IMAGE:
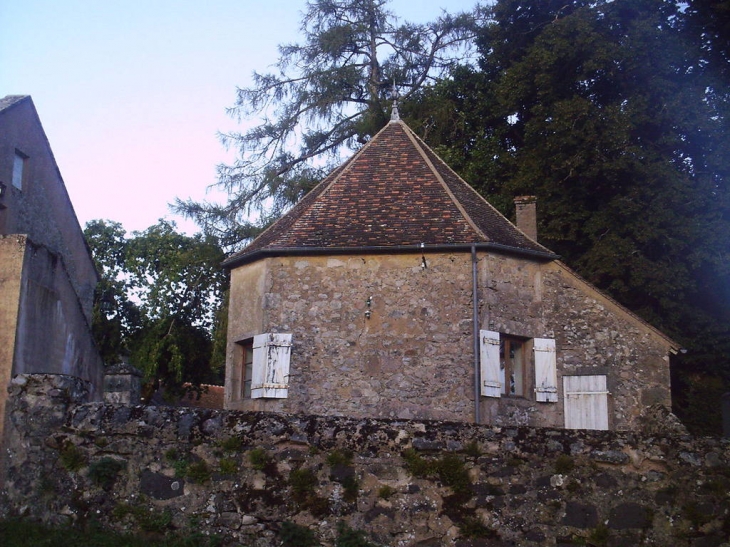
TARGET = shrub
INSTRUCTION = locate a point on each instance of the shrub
(386, 492)
(347, 537)
(104, 472)
(198, 472)
(296, 535)
(231, 444)
(564, 464)
(259, 458)
(72, 458)
(228, 466)
(339, 457)
(302, 482)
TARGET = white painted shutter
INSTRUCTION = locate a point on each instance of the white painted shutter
(489, 360)
(586, 402)
(546, 370)
(271, 354)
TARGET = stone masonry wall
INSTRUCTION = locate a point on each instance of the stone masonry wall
(391, 336)
(243, 475)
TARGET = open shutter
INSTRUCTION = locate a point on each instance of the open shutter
(271, 354)
(546, 371)
(276, 384)
(258, 372)
(489, 358)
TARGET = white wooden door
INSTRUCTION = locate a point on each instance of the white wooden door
(586, 402)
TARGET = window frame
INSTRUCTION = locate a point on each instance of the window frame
(20, 164)
(538, 358)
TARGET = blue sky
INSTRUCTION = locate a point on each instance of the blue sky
(132, 94)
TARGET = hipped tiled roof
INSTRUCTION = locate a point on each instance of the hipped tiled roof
(393, 194)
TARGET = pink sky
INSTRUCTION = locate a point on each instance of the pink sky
(132, 94)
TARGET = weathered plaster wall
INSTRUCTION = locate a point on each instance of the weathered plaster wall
(12, 256)
(405, 484)
(413, 357)
(42, 209)
(52, 334)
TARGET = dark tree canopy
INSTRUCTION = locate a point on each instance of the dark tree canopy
(329, 92)
(611, 114)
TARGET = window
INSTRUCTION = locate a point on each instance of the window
(247, 369)
(265, 366)
(18, 169)
(506, 369)
(511, 366)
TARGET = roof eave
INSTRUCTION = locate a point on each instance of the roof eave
(247, 258)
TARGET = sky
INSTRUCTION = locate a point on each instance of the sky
(133, 94)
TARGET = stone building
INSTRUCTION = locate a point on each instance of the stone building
(47, 276)
(394, 290)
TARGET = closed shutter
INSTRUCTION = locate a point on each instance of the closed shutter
(489, 357)
(586, 402)
(271, 355)
(546, 371)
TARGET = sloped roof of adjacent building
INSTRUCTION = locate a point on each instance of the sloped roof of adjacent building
(10, 100)
(395, 194)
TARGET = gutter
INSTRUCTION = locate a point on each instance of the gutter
(241, 259)
(475, 317)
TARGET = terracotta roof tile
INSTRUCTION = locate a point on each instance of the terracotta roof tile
(394, 192)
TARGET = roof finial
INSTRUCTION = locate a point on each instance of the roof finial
(394, 114)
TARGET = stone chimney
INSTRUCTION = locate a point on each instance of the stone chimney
(526, 207)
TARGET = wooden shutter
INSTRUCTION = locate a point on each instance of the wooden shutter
(586, 402)
(489, 360)
(271, 355)
(546, 371)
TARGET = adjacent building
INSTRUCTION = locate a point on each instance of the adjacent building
(47, 276)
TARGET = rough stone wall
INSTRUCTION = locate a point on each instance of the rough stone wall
(241, 475)
(410, 358)
(413, 356)
(595, 336)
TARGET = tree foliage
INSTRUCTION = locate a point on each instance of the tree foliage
(159, 301)
(611, 113)
(327, 93)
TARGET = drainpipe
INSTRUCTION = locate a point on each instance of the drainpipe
(475, 312)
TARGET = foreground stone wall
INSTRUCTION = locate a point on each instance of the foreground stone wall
(242, 475)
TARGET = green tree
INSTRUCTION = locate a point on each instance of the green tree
(605, 111)
(160, 302)
(329, 92)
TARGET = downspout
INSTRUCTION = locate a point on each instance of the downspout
(475, 312)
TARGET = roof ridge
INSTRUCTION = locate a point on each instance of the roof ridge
(419, 144)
